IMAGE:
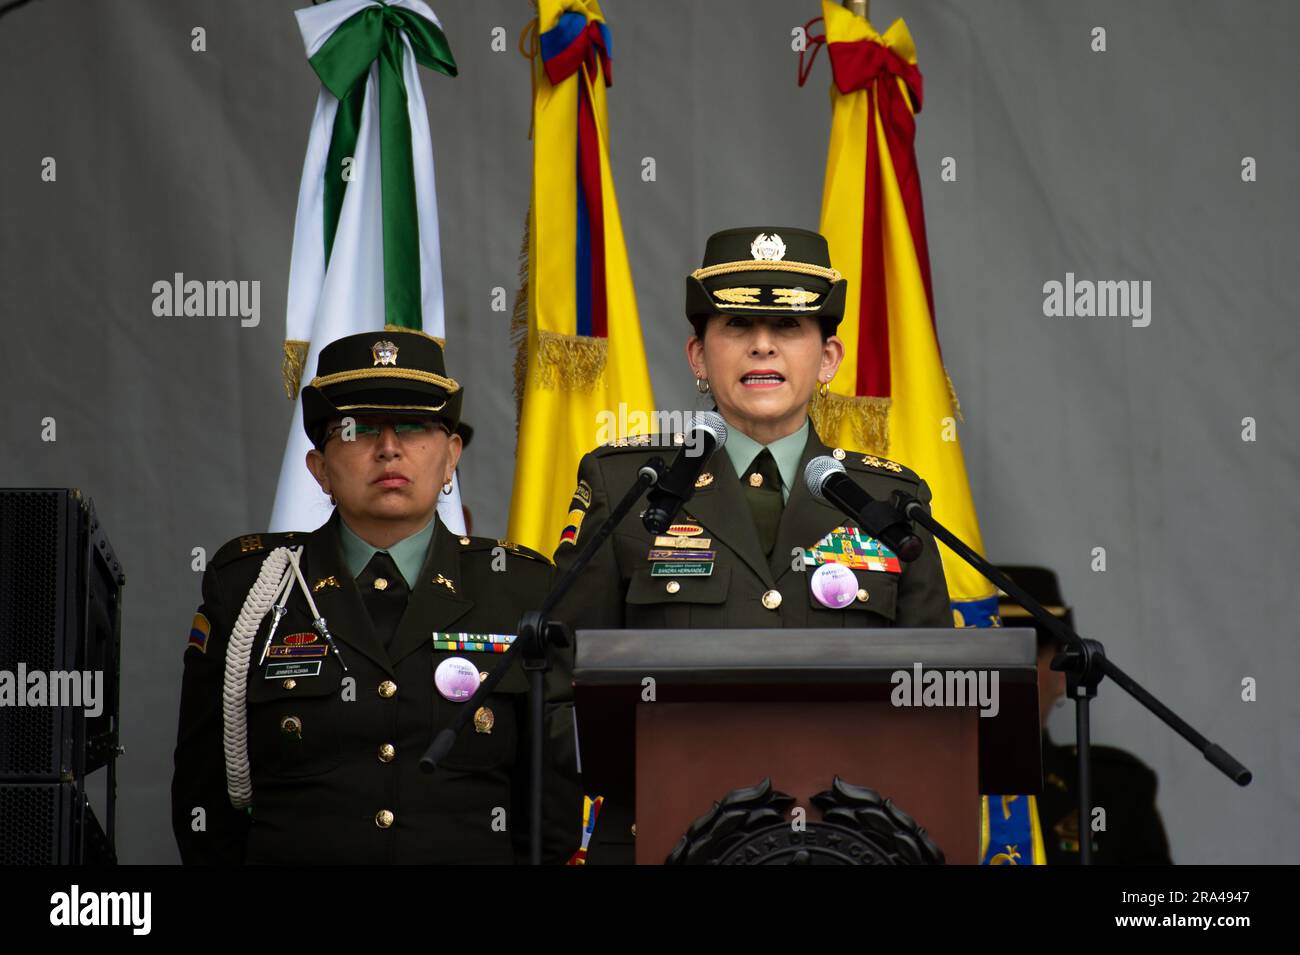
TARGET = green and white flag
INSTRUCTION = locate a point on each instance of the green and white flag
(365, 240)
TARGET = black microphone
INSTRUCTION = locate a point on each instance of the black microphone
(706, 434)
(830, 483)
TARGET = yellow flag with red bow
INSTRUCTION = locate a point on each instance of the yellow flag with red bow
(892, 395)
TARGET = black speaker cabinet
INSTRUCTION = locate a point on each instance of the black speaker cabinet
(60, 619)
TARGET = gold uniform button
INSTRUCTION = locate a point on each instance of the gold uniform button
(381, 583)
(384, 819)
(387, 689)
(634, 829)
(387, 752)
(838, 454)
(756, 480)
(772, 599)
(863, 596)
(464, 541)
(672, 586)
(482, 675)
(289, 684)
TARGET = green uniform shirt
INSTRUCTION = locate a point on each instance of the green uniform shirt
(742, 449)
(408, 553)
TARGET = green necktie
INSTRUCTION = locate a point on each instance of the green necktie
(762, 488)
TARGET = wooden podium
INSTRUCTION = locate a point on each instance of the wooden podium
(801, 707)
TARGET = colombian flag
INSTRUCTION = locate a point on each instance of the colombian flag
(892, 395)
(577, 331)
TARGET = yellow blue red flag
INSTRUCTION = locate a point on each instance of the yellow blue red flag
(892, 395)
(578, 335)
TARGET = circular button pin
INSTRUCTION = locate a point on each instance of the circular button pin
(838, 454)
(387, 689)
(863, 596)
(384, 819)
(381, 583)
(834, 586)
(289, 684)
(756, 480)
(464, 540)
(387, 752)
(672, 586)
(772, 599)
(456, 679)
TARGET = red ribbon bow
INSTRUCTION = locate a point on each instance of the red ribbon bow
(586, 47)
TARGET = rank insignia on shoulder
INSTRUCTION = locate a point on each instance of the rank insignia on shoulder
(250, 543)
(634, 441)
(199, 631)
(870, 460)
(704, 480)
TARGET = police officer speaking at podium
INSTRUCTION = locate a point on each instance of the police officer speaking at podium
(752, 547)
(320, 663)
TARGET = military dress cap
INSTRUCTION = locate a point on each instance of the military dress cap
(1041, 584)
(397, 371)
(766, 270)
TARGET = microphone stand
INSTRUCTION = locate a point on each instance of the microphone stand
(1085, 665)
(535, 636)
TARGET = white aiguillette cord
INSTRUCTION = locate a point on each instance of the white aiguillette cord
(273, 585)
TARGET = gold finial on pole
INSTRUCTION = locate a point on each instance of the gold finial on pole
(860, 7)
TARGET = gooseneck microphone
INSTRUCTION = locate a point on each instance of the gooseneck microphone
(830, 483)
(706, 433)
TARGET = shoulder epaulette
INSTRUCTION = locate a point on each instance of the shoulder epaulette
(877, 464)
(641, 442)
(492, 543)
(251, 544)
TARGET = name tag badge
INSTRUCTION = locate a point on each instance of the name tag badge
(279, 671)
(674, 568)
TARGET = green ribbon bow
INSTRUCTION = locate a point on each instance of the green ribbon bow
(343, 63)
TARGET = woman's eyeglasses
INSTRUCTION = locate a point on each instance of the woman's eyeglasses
(369, 429)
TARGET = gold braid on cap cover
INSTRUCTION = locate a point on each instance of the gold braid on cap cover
(767, 265)
(409, 374)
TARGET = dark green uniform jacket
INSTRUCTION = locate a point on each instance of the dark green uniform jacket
(747, 588)
(1122, 785)
(335, 757)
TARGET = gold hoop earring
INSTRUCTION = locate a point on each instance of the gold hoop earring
(702, 386)
(825, 389)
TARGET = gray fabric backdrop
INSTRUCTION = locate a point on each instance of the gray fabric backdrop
(1079, 432)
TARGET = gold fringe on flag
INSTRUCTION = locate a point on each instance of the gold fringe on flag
(952, 395)
(868, 415)
(295, 356)
(571, 362)
(519, 324)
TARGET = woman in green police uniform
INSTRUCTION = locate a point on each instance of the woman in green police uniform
(319, 663)
(764, 307)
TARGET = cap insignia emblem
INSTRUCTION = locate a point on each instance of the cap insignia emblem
(767, 248)
(385, 353)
